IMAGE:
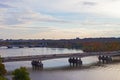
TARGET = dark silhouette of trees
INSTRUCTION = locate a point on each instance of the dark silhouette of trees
(2, 78)
(3, 71)
(21, 74)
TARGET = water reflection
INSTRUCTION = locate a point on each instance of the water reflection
(35, 51)
(94, 71)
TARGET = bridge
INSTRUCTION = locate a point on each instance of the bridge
(56, 56)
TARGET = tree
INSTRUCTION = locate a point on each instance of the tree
(21, 74)
(2, 78)
(0, 59)
(3, 71)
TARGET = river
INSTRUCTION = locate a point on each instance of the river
(59, 69)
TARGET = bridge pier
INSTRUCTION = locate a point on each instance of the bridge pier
(105, 59)
(37, 64)
(75, 61)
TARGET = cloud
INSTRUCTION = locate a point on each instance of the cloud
(17, 13)
(74, 32)
(25, 17)
(31, 12)
(107, 8)
(5, 5)
(88, 3)
(23, 32)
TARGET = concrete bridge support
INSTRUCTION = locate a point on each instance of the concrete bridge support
(105, 59)
(75, 61)
(37, 64)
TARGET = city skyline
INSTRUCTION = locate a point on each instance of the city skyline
(59, 19)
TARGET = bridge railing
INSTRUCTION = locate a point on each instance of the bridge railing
(53, 56)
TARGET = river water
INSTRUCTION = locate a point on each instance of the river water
(59, 69)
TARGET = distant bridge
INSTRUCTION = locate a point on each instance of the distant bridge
(56, 56)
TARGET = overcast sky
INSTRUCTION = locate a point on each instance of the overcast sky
(59, 19)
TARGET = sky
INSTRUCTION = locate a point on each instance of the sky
(59, 19)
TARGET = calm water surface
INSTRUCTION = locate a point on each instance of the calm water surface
(59, 69)
(4, 52)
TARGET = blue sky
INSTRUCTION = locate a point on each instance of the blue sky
(59, 19)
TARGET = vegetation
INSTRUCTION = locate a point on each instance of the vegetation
(2, 70)
(2, 78)
(21, 74)
(101, 46)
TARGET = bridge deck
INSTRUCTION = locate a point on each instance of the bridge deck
(55, 56)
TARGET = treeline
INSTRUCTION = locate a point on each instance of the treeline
(87, 44)
(101, 46)
(90, 46)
